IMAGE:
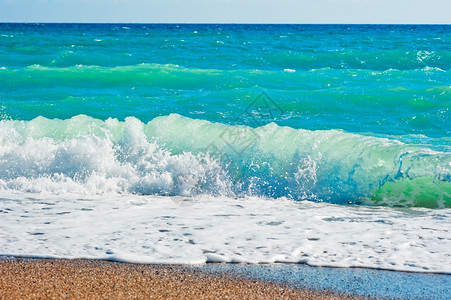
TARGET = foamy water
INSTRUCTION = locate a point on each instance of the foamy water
(149, 229)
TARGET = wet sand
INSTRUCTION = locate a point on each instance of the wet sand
(95, 279)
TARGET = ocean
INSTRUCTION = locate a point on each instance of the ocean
(327, 145)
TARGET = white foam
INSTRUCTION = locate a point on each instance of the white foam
(156, 229)
(96, 164)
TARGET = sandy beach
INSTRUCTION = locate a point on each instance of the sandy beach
(96, 279)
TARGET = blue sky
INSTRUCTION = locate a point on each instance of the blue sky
(228, 11)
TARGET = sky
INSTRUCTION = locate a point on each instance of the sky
(228, 11)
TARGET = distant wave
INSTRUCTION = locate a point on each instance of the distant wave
(180, 77)
(365, 60)
(175, 155)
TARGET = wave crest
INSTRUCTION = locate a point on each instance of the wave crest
(174, 155)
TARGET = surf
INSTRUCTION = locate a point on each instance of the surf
(179, 156)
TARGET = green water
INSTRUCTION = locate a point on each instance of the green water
(336, 113)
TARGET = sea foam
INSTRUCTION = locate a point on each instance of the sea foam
(155, 229)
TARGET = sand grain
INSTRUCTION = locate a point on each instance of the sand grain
(95, 279)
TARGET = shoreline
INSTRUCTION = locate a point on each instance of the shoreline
(37, 277)
(9, 257)
(27, 278)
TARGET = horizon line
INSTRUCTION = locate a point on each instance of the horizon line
(221, 23)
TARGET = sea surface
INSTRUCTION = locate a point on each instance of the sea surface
(328, 145)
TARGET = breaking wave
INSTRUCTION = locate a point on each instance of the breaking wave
(175, 155)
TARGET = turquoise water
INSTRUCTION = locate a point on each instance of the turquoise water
(335, 113)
